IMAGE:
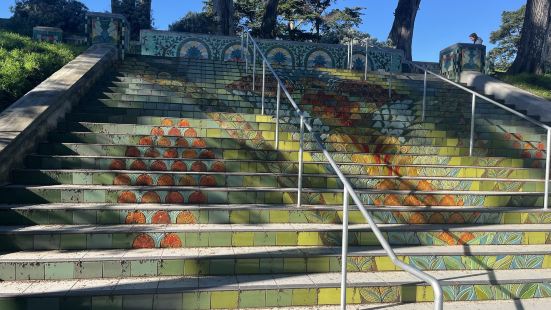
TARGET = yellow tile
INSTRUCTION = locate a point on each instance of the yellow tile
(511, 218)
(384, 263)
(214, 133)
(224, 300)
(546, 261)
(424, 294)
(353, 296)
(279, 216)
(309, 238)
(242, 239)
(329, 296)
(534, 237)
(231, 154)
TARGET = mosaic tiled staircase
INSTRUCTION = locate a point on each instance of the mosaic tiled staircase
(163, 190)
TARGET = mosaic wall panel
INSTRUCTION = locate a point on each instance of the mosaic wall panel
(104, 28)
(48, 34)
(280, 53)
(462, 57)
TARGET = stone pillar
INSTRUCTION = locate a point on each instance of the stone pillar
(106, 28)
(462, 57)
(48, 34)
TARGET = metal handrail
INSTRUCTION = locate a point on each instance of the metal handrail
(348, 189)
(500, 105)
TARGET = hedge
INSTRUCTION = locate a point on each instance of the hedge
(25, 63)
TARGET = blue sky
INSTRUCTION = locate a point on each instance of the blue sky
(439, 23)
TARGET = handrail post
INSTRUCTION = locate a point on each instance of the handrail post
(365, 65)
(350, 65)
(347, 54)
(471, 141)
(344, 256)
(424, 96)
(300, 161)
(243, 44)
(390, 79)
(547, 162)
(254, 66)
(277, 116)
(263, 84)
(247, 54)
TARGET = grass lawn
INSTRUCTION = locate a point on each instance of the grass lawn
(539, 85)
(25, 63)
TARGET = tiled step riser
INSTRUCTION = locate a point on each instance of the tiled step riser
(213, 136)
(252, 181)
(144, 125)
(461, 127)
(199, 195)
(207, 239)
(41, 162)
(124, 215)
(266, 150)
(175, 104)
(254, 264)
(234, 298)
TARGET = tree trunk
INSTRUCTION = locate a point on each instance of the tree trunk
(401, 33)
(223, 11)
(534, 38)
(269, 20)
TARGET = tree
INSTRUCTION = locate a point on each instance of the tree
(137, 12)
(340, 24)
(401, 34)
(201, 22)
(65, 14)
(269, 20)
(223, 13)
(535, 38)
(507, 38)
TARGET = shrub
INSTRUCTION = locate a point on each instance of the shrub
(25, 63)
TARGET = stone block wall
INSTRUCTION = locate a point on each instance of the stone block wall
(29, 119)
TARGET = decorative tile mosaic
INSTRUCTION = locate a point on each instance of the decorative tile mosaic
(48, 34)
(280, 53)
(462, 57)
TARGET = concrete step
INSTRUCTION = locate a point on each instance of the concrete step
(253, 291)
(110, 214)
(82, 237)
(105, 264)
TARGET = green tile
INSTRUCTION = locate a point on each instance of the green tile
(143, 268)
(106, 302)
(172, 267)
(99, 241)
(294, 265)
(222, 266)
(138, 302)
(57, 271)
(220, 238)
(46, 242)
(317, 264)
(167, 301)
(224, 300)
(264, 239)
(76, 303)
(116, 269)
(194, 239)
(73, 241)
(29, 271)
(252, 299)
(50, 303)
(88, 270)
(7, 271)
(247, 266)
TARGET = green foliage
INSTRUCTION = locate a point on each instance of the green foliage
(539, 85)
(298, 20)
(65, 14)
(25, 63)
(195, 23)
(137, 12)
(507, 38)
